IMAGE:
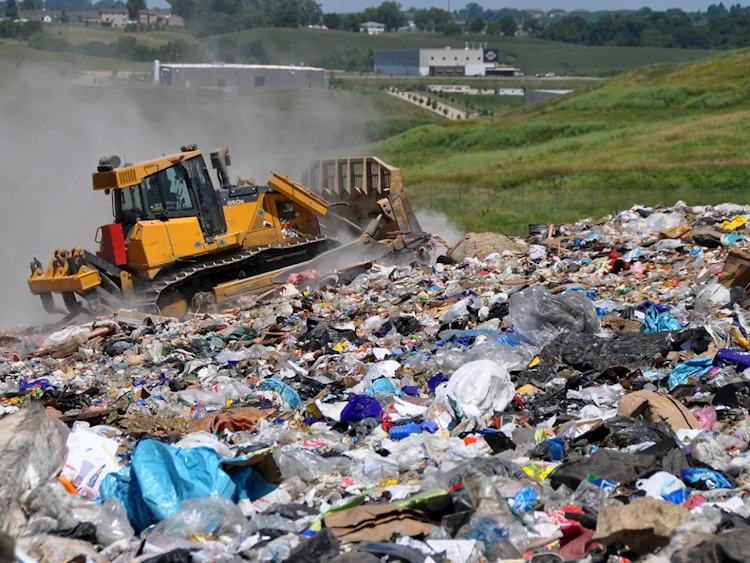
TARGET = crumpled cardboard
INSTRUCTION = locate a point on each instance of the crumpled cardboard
(643, 525)
(377, 522)
(736, 270)
(656, 407)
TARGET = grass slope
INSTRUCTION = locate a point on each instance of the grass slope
(532, 55)
(657, 134)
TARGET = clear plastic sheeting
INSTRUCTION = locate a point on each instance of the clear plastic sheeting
(212, 516)
(32, 450)
(539, 316)
(112, 525)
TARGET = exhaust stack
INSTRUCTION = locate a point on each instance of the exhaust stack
(220, 161)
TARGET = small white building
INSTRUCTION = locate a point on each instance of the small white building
(175, 21)
(114, 17)
(372, 28)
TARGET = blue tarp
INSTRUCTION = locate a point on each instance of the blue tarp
(160, 476)
(696, 366)
(656, 322)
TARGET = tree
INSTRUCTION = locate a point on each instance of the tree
(27, 5)
(369, 15)
(433, 19)
(494, 28)
(452, 28)
(390, 15)
(286, 13)
(532, 27)
(64, 17)
(351, 22)
(135, 6)
(11, 9)
(310, 12)
(332, 20)
(476, 25)
(509, 25)
(473, 10)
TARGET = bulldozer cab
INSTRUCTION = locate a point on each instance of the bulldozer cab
(183, 189)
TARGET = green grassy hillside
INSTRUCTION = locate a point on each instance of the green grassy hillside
(655, 134)
(313, 46)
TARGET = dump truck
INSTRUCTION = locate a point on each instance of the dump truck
(179, 244)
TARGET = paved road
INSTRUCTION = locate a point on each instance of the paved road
(452, 113)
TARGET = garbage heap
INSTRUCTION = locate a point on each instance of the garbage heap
(581, 395)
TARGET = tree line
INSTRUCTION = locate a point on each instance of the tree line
(672, 29)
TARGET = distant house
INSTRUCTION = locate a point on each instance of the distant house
(114, 17)
(535, 13)
(580, 11)
(47, 18)
(175, 21)
(557, 13)
(147, 17)
(91, 17)
(372, 28)
(30, 16)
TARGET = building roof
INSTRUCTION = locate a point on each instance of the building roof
(113, 11)
(557, 11)
(580, 11)
(147, 12)
(237, 66)
(534, 11)
(90, 14)
(29, 14)
(372, 24)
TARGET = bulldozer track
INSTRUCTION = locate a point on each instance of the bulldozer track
(150, 297)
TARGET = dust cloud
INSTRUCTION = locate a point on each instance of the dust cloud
(437, 223)
(53, 134)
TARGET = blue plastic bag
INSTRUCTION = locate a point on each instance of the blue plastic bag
(656, 322)
(694, 367)
(160, 476)
(361, 407)
(705, 479)
(383, 386)
(436, 380)
(289, 395)
(524, 500)
(168, 475)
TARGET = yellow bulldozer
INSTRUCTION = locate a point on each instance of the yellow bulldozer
(178, 244)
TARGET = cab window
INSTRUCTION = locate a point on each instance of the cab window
(168, 190)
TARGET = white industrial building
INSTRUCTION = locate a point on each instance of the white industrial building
(239, 76)
(436, 62)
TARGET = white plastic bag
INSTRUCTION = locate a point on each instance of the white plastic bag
(480, 387)
(712, 296)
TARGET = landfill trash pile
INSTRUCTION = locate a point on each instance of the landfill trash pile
(580, 395)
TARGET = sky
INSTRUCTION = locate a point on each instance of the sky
(687, 5)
